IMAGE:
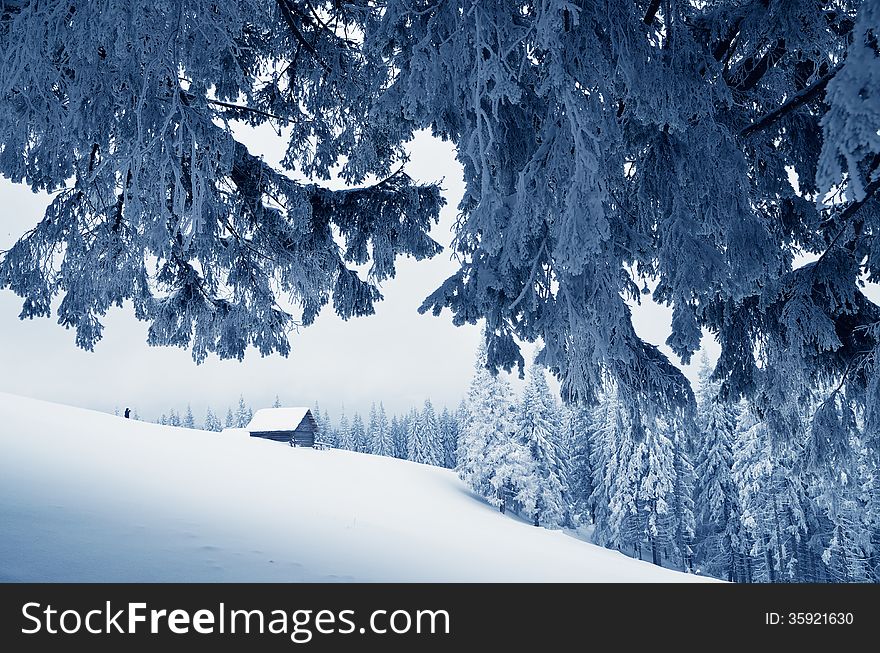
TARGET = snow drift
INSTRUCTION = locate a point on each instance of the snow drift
(86, 496)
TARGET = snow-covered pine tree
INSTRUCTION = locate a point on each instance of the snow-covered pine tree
(243, 413)
(409, 422)
(189, 420)
(425, 444)
(635, 463)
(614, 493)
(323, 429)
(448, 437)
(721, 544)
(838, 474)
(656, 487)
(486, 439)
(358, 439)
(329, 434)
(382, 436)
(163, 419)
(277, 402)
(230, 419)
(212, 422)
(682, 499)
(578, 427)
(539, 430)
(372, 427)
(871, 495)
(399, 437)
(173, 418)
(344, 434)
(772, 496)
(320, 430)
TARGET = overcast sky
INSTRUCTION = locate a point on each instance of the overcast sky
(396, 356)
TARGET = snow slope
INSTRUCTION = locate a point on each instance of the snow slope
(86, 496)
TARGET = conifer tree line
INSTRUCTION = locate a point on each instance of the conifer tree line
(713, 491)
(422, 434)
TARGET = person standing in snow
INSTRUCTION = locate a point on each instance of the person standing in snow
(127, 413)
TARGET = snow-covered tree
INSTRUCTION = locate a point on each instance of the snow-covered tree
(173, 418)
(772, 496)
(328, 433)
(539, 429)
(399, 436)
(163, 419)
(424, 444)
(448, 437)
(656, 480)
(189, 420)
(372, 426)
(838, 472)
(579, 432)
(212, 422)
(230, 419)
(381, 435)
(358, 434)
(488, 455)
(277, 402)
(682, 499)
(243, 413)
(616, 474)
(721, 542)
(344, 436)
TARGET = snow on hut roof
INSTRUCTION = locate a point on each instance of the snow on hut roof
(276, 419)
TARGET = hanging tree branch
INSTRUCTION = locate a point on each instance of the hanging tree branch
(754, 72)
(652, 12)
(287, 12)
(797, 100)
(851, 209)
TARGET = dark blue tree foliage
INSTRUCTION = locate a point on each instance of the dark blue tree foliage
(123, 111)
(605, 144)
(699, 145)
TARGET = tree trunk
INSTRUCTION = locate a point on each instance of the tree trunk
(768, 554)
(779, 552)
(655, 553)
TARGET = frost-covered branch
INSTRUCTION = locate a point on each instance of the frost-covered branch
(799, 99)
(288, 8)
(163, 208)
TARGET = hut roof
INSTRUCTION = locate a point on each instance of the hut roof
(276, 419)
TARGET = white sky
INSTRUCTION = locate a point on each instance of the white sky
(396, 356)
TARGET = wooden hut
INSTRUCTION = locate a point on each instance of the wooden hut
(294, 426)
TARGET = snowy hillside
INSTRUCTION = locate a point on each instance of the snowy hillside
(86, 496)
